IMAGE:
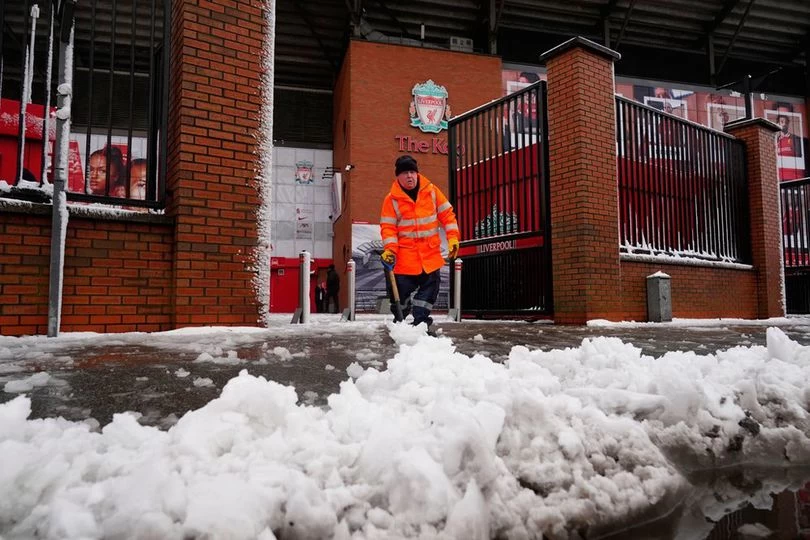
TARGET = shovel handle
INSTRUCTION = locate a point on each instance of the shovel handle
(392, 279)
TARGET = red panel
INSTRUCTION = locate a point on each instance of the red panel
(9, 130)
(501, 245)
(510, 181)
(284, 283)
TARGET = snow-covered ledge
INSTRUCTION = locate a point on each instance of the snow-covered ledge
(91, 211)
(683, 261)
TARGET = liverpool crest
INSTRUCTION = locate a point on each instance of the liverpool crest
(429, 109)
(303, 172)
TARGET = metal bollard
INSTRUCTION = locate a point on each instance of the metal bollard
(659, 297)
(348, 313)
(301, 314)
(456, 311)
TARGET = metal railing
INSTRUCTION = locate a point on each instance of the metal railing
(119, 108)
(682, 187)
(795, 201)
(795, 204)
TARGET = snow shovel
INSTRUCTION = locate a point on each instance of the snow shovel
(389, 271)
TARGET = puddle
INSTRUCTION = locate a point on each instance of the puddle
(739, 504)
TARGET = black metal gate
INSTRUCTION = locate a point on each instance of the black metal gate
(499, 189)
(795, 201)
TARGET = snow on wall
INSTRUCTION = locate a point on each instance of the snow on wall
(264, 174)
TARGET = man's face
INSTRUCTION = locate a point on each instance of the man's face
(98, 175)
(137, 182)
(408, 179)
(784, 123)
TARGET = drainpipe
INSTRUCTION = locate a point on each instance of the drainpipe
(59, 219)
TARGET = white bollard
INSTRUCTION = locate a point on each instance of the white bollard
(348, 313)
(301, 314)
(457, 289)
(305, 259)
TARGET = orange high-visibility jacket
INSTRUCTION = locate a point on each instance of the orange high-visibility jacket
(411, 229)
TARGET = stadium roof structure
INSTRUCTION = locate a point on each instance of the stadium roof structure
(707, 42)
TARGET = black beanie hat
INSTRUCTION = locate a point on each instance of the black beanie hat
(404, 164)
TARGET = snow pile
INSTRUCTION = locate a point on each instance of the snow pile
(439, 445)
(743, 404)
(283, 353)
(230, 357)
(27, 384)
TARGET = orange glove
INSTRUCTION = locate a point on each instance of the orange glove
(389, 258)
(452, 248)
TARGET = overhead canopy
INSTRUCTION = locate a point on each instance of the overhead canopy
(659, 39)
(662, 39)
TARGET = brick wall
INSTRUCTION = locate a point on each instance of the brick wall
(213, 121)
(117, 274)
(697, 291)
(192, 267)
(379, 79)
(341, 156)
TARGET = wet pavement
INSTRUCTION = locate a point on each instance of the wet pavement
(96, 378)
(163, 378)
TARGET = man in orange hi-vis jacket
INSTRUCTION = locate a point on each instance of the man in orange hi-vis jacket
(409, 225)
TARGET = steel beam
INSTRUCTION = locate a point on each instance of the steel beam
(393, 17)
(734, 37)
(802, 47)
(627, 16)
(355, 8)
(607, 9)
(606, 32)
(495, 11)
(603, 23)
(304, 14)
(727, 8)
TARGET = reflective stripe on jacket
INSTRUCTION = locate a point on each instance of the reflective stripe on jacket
(411, 228)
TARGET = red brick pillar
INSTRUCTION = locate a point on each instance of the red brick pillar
(763, 196)
(583, 182)
(215, 102)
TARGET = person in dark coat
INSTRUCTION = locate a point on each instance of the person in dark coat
(320, 297)
(332, 289)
